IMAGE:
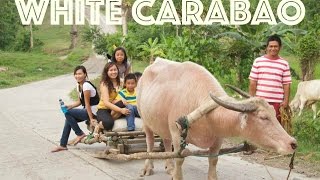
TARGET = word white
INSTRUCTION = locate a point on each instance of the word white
(74, 11)
(34, 11)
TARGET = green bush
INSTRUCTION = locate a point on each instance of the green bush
(307, 130)
(22, 41)
(308, 49)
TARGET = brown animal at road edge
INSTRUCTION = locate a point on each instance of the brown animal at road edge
(168, 90)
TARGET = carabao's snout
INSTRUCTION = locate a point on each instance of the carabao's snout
(287, 147)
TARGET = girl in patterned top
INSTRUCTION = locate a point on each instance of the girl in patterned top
(119, 57)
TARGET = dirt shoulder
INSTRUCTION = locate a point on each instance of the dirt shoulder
(302, 164)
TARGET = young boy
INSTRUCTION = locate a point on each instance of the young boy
(129, 99)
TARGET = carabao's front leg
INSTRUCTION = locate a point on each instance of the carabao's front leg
(314, 109)
(169, 162)
(148, 164)
(213, 160)
(302, 103)
(177, 172)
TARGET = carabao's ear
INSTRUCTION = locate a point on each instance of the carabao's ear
(243, 117)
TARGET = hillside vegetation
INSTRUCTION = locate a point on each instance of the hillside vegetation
(52, 57)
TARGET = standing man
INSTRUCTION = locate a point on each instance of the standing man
(270, 76)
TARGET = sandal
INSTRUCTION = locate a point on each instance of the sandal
(78, 139)
(71, 142)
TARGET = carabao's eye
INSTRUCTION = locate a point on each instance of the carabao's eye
(264, 117)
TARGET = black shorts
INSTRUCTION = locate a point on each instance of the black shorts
(104, 115)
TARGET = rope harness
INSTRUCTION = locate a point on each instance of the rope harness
(286, 122)
(183, 122)
(286, 119)
(291, 164)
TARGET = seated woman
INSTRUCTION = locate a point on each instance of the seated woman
(88, 98)
(109, 88)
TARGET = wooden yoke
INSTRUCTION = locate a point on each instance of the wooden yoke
(184, 122)
(203, 109)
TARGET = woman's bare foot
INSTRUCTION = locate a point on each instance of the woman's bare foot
(59, 148)
(78, 139)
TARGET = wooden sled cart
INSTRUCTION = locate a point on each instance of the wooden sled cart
(124, 145)
(121, 141)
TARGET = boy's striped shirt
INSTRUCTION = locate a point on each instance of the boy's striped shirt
(131, 98)
(270, 75)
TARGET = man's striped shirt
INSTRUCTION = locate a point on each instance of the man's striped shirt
(131, 98)
(271, 75)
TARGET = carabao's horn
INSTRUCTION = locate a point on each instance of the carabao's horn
(236, 106)
(239, 91)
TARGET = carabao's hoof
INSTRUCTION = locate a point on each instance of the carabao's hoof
(212, 178)
(169, 166)
(169, 170)
(107, 150)
(148, 168)
(146, 172)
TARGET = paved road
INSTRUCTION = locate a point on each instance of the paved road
(31, 124)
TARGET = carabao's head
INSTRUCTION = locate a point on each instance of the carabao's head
(259, 125)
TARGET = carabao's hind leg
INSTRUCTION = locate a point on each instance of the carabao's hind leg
(148, 164)
(169, 162)
(213, 159)
(177, 172)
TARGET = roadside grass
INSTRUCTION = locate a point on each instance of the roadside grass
(27, 67)
(306, 131)
(307, 150)
(52, 59)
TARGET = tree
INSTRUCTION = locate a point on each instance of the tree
(125, 8)
(9, 23)
(13, 35)
(74, 36)
(241, 59)
(73, 32)
(309, 55)
(31, 36)
(151, 49)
